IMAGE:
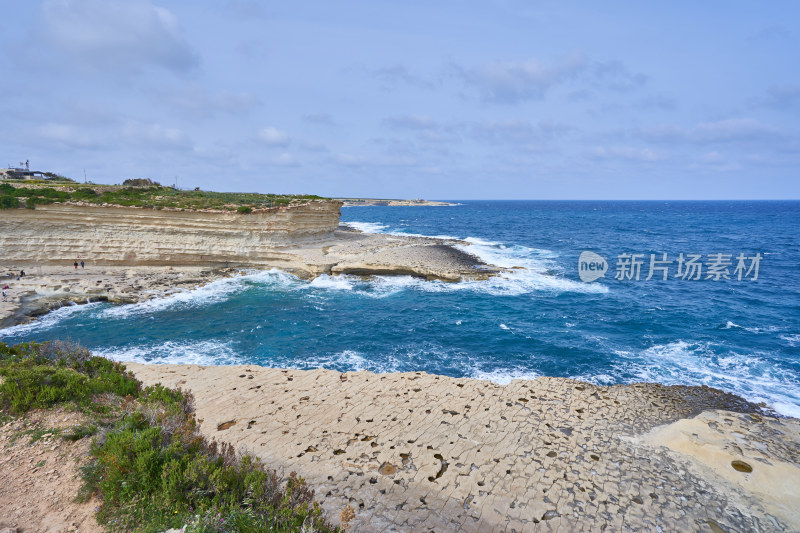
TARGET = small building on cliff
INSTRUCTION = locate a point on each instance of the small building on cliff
(14, 173)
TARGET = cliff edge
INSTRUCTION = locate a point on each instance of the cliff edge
(111, 235)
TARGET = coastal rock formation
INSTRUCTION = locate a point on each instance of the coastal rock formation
(418, 452)
(48, 286)
(60, 233)
(123, 249)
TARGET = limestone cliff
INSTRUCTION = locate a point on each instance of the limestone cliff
(108, 235)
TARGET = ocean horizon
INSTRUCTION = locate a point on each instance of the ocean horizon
(727, 316)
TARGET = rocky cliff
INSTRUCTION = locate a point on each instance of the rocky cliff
(109, 235)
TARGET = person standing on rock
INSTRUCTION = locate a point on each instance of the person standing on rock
(81, 264)
(76, 265)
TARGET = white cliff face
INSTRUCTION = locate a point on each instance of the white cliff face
(59, 233)
(146, 252)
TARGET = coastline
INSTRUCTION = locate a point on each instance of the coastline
(418, 451)
(46, 287)
(369, 202)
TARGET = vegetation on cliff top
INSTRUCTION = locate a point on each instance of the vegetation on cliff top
(149, 466)
(152, 195)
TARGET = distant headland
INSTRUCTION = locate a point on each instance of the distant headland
(358, 202)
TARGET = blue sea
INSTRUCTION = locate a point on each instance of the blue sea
(741, 336)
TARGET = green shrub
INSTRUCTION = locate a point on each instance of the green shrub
(32, 201)
(79, 432)
(84, 193)
(41, 376)
(152, 479)
(140, 182)
(47, 192)
(244, 209)
(18, 351)
(8, 202)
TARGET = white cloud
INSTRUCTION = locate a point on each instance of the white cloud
(274, 137)
(615, 76)
(711, 157)
(311, 145)
(781, 97)
(214, 152)
(733, 129)
(285, 160)
(348, 160)
(65, 135)
(427, 129)
(665, 133)
(627, 153)
(512, 82)
(320, 118)
(412, 121)
(197, 102)
(154, 135)
(516, 132)
(127, 134)
(660, 102)
(728, 130)
(392, 76)
(385, 161)
(714, 162)
(244, 9)
(118, 35)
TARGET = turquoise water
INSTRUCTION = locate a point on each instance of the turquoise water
(740, 336)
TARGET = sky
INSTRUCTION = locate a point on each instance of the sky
(497, 99)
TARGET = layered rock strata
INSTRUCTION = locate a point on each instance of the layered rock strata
(62, 233)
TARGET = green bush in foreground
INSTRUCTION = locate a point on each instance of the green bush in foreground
(149, 475)
(150, 467)
(41, 376)
(8, 202)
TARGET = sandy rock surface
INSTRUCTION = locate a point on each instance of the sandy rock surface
(417, 452)
(49, 287)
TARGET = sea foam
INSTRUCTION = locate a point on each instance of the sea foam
(50, 319)
(536, 270)
(176, 352)
(750, 375)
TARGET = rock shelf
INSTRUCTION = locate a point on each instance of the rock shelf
(419, 452)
